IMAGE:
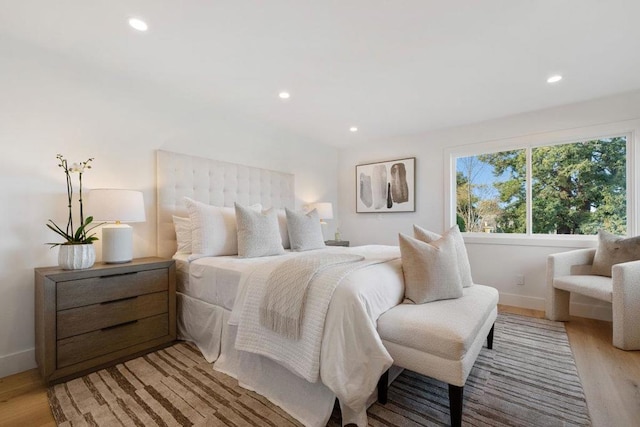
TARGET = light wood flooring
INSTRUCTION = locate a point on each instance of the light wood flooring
(610, 377)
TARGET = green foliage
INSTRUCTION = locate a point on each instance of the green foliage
(577, 188)
(80, 237)
(512, 191)
(466, 200)
(461, 223)
(580, 188)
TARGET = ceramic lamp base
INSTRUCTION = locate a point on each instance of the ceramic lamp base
(117, 243)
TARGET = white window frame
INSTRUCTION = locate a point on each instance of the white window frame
(629, 128)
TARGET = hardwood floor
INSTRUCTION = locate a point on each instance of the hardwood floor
(23, 401)
(610, 377)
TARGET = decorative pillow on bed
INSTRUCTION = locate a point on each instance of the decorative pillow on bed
(284, 230)
(183, 234)
(430, 269)
(305, 230)
(214, 231)
(258, 233)
(461, 251)
(612, 250)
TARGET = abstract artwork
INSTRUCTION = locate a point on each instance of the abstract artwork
(386, 186)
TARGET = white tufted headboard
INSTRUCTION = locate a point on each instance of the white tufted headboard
(213, 182)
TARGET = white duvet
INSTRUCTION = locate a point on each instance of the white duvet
(352, 356)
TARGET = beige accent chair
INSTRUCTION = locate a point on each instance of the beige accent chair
(570, 272)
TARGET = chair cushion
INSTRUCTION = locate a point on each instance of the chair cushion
(612, 250)
(599, 287)
(445, 328)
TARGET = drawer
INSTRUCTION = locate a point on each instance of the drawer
(103, 341)
(94, 290)
(80, 320)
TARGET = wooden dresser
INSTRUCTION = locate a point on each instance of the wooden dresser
(89, 319)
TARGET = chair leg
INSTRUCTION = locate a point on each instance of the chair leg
(557, 304)
(490, 338)
(383, 387)
(455, 404)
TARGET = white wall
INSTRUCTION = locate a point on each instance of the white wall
(49, 105)
(493, 263)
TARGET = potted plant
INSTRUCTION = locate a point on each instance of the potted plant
(77, 251)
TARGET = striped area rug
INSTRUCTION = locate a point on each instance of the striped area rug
(528, 379)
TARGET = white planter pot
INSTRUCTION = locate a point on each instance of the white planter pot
(76, 257)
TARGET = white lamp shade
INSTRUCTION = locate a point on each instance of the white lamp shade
(325, 209)
(108, 204)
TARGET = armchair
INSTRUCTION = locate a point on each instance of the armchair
(570, 272)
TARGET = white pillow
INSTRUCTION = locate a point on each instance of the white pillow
(305, 230)
(461, 251)
(258, 233)
(284, 231)
(430, 269)
(214, 231)
(183, 234)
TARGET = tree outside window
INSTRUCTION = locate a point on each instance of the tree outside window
(577, 188)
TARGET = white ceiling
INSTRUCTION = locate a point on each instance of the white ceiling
(389, 67)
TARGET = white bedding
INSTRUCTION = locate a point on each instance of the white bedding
(352, 357)
(214, 280)
(302, 356)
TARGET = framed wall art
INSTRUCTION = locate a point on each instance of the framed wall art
(386, 186)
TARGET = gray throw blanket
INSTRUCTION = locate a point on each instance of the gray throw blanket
(283, 304)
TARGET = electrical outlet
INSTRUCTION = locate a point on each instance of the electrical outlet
(519, 279)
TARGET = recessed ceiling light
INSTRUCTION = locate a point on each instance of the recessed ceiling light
(353, 129)
(138, 24)
(554, 79)
(284, 95)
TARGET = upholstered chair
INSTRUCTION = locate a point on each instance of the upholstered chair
(569, 272)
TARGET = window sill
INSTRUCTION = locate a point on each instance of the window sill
(525, 240)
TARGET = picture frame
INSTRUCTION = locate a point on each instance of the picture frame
(388, 186)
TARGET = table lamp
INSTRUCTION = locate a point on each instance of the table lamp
(325, 210)
(117, 206)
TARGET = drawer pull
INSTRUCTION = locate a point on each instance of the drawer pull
(118, 300)
(106, 276)
(120, 325)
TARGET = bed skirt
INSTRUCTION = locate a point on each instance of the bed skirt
(206, 325)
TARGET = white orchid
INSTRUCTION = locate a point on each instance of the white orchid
(71, 235)
(80, 167)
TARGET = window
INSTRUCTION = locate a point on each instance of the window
(569, 188)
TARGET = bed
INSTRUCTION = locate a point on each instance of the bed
(214, 294)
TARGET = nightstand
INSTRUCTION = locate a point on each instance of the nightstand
(336, 242)
(92, 318)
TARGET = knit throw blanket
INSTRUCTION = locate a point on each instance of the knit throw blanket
(283, 304)
(301, 356)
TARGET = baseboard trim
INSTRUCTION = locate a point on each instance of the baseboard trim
(522, 301)
(17, 362)
(590, 311)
